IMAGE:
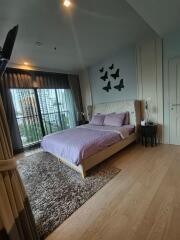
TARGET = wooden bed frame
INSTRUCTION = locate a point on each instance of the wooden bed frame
(133, 107)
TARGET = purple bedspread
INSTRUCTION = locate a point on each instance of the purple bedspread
(80, 143)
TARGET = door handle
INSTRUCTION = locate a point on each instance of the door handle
(174, 105)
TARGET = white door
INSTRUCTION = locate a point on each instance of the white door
(174, 97)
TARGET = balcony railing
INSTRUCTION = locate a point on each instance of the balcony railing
(31, 126)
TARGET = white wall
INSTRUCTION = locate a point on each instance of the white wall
(141, 68)
(125, 60)
(150, 81)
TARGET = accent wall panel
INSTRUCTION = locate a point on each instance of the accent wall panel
(115, 79)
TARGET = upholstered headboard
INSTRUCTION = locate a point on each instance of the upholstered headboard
(133, 107)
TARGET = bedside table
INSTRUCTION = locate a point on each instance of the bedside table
(148, 134)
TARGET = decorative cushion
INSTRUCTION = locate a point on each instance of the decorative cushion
(98, 119)
(116, 120)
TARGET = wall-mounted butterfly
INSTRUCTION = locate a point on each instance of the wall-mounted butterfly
(105, 77)
(111, 67)
(120, 85)
(101, 70)
(115, 75)
(108, 87)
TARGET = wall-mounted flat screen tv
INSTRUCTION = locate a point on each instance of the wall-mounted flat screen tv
(6, 51)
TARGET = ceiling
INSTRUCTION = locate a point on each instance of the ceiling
(162, 15)
(83, 35)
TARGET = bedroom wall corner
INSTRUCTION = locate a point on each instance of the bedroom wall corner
(150, 79)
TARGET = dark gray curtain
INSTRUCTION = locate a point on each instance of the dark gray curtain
(50, 80)
(15, 78)
(10, 111)
(76, 93)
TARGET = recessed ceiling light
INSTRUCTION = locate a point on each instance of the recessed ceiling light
(67, 3)
(26, 63)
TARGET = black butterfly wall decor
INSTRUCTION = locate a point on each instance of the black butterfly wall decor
(115, 75)
(105, 77)
(111, 67)
(120, 85)
(108, 87)
(101, 70)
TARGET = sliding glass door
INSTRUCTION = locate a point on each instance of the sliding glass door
(27, 115)
(42, 111)
(56, 108)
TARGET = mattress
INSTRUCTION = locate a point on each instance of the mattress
(79, 143)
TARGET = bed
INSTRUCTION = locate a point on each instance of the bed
(83, 147)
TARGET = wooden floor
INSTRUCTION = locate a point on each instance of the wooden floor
(141, 203)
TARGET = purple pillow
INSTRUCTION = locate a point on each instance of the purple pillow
(116, 120)
(97, 119)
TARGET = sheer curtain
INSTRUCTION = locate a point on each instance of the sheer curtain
(66, 105)
(56, 106)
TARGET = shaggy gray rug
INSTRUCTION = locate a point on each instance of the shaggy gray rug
(55, 191)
